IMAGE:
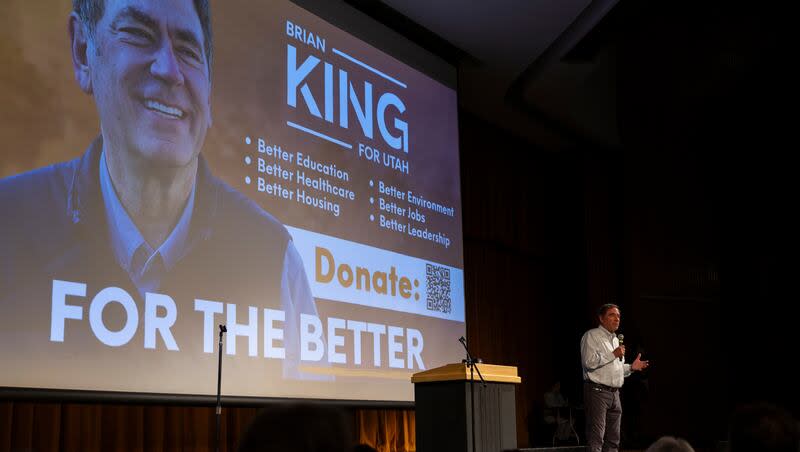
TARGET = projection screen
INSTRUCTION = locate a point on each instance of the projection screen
(269, 172)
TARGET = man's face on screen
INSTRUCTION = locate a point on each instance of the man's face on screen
(150, 79)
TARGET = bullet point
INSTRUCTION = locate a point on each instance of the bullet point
(372, 218)
(246, 140)
(416, 283)
(371, 200)
(371, 184)
(247, 180)
(247, 160)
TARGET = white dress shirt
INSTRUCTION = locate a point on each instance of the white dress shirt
(598, 360)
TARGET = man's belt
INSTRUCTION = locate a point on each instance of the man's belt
(601, 387)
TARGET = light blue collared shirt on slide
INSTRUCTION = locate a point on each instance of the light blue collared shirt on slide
(147, 266)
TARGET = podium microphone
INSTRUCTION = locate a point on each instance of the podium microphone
(471, 363)
(222, 329)
(621, 337)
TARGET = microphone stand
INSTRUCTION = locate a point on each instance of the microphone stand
(470, 361)
(222, 329)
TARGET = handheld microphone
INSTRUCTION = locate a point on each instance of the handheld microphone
(621, 337)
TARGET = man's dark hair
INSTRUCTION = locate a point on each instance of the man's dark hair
(603, 309)
(91, 11)
(670, 444)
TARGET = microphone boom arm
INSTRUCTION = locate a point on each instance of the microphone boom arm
(470, 361)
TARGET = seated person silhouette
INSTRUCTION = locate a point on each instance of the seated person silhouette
(763, 427)
(298, 427)
(557, 414)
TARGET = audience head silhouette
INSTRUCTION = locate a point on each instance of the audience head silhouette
(298, 427)
(670, 444)
(364, 448)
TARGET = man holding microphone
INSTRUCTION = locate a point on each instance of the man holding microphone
(604, 372)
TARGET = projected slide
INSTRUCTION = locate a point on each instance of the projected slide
(283, 178)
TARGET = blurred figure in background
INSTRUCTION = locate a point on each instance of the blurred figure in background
(763, 427)
(557, 414)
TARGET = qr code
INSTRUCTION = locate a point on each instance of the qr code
(438, 284)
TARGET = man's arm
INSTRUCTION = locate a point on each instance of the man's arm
(639, 364)
(295, 290)
(296, 299)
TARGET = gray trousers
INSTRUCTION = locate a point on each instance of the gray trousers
(603, 417)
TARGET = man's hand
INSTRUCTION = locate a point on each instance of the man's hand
(638, 364)
(619, 352)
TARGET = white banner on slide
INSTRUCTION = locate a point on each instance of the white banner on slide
(350, 272)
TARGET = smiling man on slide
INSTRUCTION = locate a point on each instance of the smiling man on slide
(140, 209)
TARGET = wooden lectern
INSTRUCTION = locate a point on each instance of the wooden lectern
(444, 411)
